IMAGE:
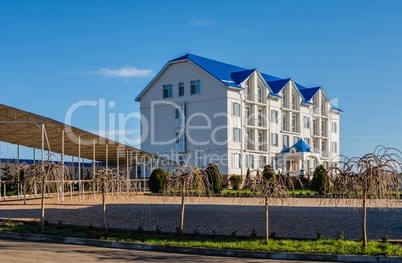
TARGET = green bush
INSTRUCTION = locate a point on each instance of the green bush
(268, 172)
(157, 180)
(320, 181)
(214, 177)
(236, 181)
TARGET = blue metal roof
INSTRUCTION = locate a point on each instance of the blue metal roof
(239, 77)
(300, 146)
(232, 76)
(221, 71)
(277, 85)
(308, 93)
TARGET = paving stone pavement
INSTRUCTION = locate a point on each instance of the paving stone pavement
(224, 215)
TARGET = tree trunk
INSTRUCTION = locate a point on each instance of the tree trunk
(364, 223)
(183, 193)
(266, 220)
(104, 206)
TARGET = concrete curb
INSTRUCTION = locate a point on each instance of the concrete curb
(200, 251)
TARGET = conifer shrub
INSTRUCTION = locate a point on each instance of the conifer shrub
(320, 181)
(157, 180)
(214, 177)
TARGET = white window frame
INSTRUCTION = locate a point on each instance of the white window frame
(236, 134)
(274, 116)
(167, 91)
(274, 139)
(180, 91)
(195, 87)
(236, 109)
(236, 160)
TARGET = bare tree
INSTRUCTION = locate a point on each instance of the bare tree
(373, 178)
(47, 176)
(187, 181)
(109, 181)
(273, 189)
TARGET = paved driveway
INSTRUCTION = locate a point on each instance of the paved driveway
(302, 219)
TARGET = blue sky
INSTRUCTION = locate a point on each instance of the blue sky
(56, 53)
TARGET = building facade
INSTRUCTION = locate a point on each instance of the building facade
(198, 111)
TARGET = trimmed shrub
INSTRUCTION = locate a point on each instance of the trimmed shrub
(214, 177)
(320, 181)
(157, 180)
(236, 181)
(268, 172)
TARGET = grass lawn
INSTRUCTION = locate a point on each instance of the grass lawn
(216, 242)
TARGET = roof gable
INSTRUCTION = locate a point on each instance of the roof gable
(299, 146)
(277, 85)
(239, 77)
(308, 93)
(221, 71)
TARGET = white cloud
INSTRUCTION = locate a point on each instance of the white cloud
(202, 22)
(126, 71)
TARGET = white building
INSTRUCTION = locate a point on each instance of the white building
(200, 111)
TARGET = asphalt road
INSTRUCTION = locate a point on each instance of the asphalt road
(22, 251)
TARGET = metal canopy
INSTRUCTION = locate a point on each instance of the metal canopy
(24, 128)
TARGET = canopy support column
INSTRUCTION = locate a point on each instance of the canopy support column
(136, 173)
(79, 167)
(127, 173)
(93, 167)
(42, 185)
(62, 166)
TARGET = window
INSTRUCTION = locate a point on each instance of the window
(260, 118)
(285, 141)
(274, 139)
(334, 127)
(284, 102)
(307, 140)
(274, 116)
(181, 89)
(250, 161)
(248, 90)
(236, 135)
(260, 141)
(195, 86)
(180, 115)
(315, 132)
(180, 142)
(334, 147)
(249, 140)
(323, 148)
(294, 123)
(284, 122)
(323, 129)
(236, 109)
(236, 160)
(259, 94)
(293, 102)
(167, 91)
(306, 121)
(296, 139)
(322, 108)
(249, 120)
